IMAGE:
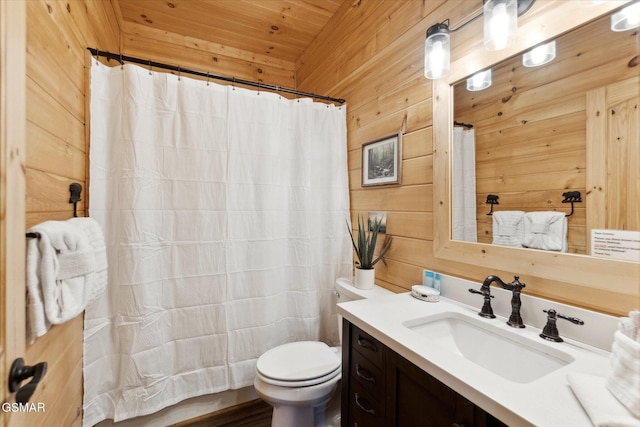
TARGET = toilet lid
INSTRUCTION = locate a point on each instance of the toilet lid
(299, 361)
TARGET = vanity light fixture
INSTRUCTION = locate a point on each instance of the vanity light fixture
(437, 50)
(479, 81)
(500, 25)
(626, 19)
(540, 55)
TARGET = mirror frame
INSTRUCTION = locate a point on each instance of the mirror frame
(546, 20)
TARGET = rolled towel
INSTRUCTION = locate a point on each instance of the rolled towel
(508, 228)
(545, 230)
(603, 408)
(624, 380)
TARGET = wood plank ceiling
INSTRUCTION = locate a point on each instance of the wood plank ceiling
(281, 29)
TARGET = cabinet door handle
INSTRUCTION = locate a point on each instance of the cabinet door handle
(367, 343)
(367, 410)
(364, 374)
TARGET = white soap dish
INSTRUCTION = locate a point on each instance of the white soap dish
(425, 293)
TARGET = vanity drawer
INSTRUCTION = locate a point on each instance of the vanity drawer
(366, 345)
(367, 374)
(364, 409)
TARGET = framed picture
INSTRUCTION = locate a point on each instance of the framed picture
(382, 161)
(378, 216)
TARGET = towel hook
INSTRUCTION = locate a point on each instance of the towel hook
(75, 189)
(492, 199)
(571, 197)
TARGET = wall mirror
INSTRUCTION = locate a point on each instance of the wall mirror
(532, 148)
(512, 136)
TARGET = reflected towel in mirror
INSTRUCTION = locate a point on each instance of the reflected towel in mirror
(545, 230)
(508, 228)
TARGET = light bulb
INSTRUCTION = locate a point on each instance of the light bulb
(436, 52)
(500, 23)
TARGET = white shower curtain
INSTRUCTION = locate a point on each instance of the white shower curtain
(464, 185)
(224, 216)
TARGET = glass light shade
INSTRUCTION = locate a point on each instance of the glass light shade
(540, 55)
(437, 52)
(479, 81)
(500, 23)
(626, 19)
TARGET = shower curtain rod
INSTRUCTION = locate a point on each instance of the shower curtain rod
(122, 58)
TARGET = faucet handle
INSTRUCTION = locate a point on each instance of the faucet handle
(484, 293)
(550, 331)
(574, 320)
(486, 310)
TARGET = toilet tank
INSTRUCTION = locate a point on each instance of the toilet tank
(345, 292)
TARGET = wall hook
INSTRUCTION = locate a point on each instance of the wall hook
(492, 199)
(571, 197)
(19, 372)
(75, 189)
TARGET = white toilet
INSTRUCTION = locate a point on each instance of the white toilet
(298, 379)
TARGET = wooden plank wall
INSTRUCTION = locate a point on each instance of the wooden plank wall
(58, 33)
(530, 126)
(379, 70)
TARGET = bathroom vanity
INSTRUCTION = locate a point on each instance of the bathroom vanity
(382, 388)
(408, 362)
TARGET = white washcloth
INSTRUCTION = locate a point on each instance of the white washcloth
(60, 270)
(508, 228)
(601, 406)
(624, 381)
(545, 230)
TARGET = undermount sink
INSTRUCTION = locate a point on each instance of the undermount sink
(513, 357)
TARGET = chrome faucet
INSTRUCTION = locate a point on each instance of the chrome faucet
(515, 320)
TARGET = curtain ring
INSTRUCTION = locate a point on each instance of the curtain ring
(233, 83)
(178, 73)
(207, 78)
(97, 56)
(149, 67)
(121, 62)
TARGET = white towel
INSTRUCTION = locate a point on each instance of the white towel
(624, 380)
(545, 230)
(61, 274)
(508, 228)
(601, 406)
(96, 239)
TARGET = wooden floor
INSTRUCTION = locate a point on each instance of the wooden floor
(251, 414)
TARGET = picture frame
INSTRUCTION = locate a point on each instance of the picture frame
(382, 161)
(377, 216)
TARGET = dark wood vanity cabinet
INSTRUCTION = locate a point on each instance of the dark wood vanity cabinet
(381, 388)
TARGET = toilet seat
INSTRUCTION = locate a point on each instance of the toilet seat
(298, 364)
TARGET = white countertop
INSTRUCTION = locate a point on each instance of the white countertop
(546, 401)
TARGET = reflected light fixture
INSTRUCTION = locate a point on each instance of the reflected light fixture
(480, 80)
(626, 18)
(540, 55)
(437, 48)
